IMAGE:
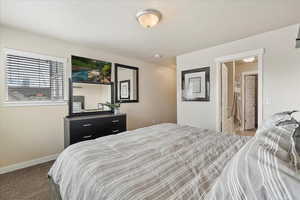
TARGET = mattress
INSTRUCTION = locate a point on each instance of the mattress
(160, 162)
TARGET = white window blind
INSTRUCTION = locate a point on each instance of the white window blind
(33, 79)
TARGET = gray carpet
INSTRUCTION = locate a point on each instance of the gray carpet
(29, 183)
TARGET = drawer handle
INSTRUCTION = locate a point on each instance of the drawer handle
(115, 131)
(87, 136)
(87, 125)
(115, 121)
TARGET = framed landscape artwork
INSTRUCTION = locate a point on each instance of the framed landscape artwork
(195, 84)
(125, 89)
(87, 70)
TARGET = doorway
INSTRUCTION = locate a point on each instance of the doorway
(259, 54)
(239, 96)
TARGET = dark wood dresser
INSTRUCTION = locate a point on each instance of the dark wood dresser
(83, 128)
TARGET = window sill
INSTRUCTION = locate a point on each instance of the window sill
(34, 103)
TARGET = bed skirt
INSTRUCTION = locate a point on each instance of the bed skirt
(54, 190)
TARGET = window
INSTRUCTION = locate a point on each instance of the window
(32, 78)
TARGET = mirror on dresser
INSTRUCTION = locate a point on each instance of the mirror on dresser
(90, 87)
(127, 84)
(91, 97)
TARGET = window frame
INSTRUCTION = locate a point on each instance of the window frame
(7, 103)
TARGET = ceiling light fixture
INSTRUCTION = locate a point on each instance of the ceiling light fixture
(157, 55)
(148, 18)
(248, 60)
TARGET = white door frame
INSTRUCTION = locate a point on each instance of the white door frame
(224, 104)
(218, 61)
(244, 74)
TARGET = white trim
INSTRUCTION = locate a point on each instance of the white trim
(240, 56)
(244, 74)
(32, 55)
(34, 103)
(5, 101)
(259, 53)
(29, 163)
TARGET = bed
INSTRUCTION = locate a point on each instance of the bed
(173, 162)
(164, 161)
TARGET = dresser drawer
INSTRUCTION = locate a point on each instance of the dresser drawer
(111, 125)
(118, 128)
(79, 138)
(118, 124)
(103, 127)
(81, 130)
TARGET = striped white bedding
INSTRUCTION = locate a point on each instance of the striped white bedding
(267, 167)
(162, 162)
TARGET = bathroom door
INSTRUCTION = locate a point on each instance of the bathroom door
(250, 101)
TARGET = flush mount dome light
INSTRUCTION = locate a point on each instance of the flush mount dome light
(248, 60)
(157, 55)
(148, 18)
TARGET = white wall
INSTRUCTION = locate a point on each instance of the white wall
(32, 132)
(281, 74)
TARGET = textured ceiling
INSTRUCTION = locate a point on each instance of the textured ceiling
(187, 25)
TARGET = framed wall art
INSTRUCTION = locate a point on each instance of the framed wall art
(87, 70)
(196, 84)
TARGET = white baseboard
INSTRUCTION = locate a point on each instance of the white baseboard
(29, 163)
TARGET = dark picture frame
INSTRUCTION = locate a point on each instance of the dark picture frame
(71, 100)
(117, 100)
(195, 84)
(125, 83)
